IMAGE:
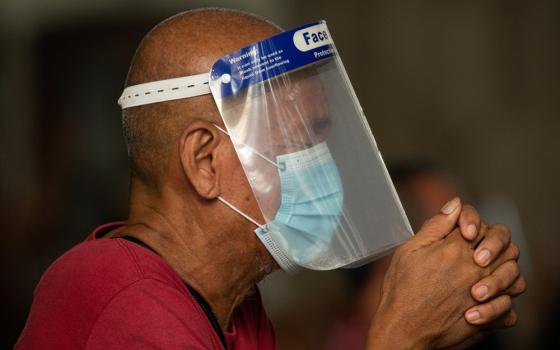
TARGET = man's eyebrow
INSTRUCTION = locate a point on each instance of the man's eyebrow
(322, 122)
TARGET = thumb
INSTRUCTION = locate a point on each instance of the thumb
(441, 224)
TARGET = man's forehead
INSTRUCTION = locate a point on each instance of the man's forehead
(301, 86)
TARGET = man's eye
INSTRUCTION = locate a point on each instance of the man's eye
(322, 125)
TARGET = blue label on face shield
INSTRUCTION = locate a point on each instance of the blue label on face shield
(272, 57)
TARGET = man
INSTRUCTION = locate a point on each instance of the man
(181, 272)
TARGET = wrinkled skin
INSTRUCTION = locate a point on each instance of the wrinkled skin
(431, 283)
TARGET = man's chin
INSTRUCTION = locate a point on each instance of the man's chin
(265, 265)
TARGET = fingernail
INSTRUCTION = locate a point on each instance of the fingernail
(473, 316)
(471, 231)
(450, 206)
(483, 257)
(481, 291)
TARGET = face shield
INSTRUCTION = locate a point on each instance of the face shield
(305, 146)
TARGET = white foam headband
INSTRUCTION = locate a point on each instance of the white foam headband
(164, 90)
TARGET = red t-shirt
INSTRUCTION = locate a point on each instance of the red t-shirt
(115, 294)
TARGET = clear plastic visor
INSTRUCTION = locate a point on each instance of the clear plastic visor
(314, 108)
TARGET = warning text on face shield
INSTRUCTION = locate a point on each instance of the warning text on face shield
(260, 64)
(270, 58)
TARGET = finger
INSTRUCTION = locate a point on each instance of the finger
(496, 240)
(490, 311)
(511, 253)
(441, 224)
(469, 222)
(497, 282)
(506, 321)
(518, 287)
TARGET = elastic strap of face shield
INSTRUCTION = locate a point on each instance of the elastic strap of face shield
(164, 90)
(172, 89)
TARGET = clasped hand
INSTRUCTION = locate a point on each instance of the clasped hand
(449, 285)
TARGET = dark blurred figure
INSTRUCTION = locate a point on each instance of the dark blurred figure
(423, 188)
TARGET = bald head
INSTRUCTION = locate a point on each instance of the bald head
(190, 42)
(185, 44)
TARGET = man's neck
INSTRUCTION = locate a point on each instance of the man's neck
(223, 276)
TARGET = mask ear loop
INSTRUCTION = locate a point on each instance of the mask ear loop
(233, 207)
(277, 253)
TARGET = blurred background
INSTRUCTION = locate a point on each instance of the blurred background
(463, 98)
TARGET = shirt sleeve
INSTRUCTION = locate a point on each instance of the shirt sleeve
(149, 314)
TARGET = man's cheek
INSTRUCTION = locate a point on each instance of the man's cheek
(270, 196)
(261, 186)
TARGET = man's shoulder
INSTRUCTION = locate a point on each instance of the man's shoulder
(90, 264)
(88, 280)
(103, 267)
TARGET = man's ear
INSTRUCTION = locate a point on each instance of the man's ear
(197, 152)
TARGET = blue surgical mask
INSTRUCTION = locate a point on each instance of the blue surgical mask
(310, 207)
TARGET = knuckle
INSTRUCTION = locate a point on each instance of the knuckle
(522, 284)
(451, 252)
(515, 251)
(511, 253)
(506, 276)
(505, 303)
(499, 306)
(514, 270)
(511, 319)
(519, 286)
(503, 231)
(493, 245)
(471, 212)
(492, 309)
(499, 282)
(490, 282)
